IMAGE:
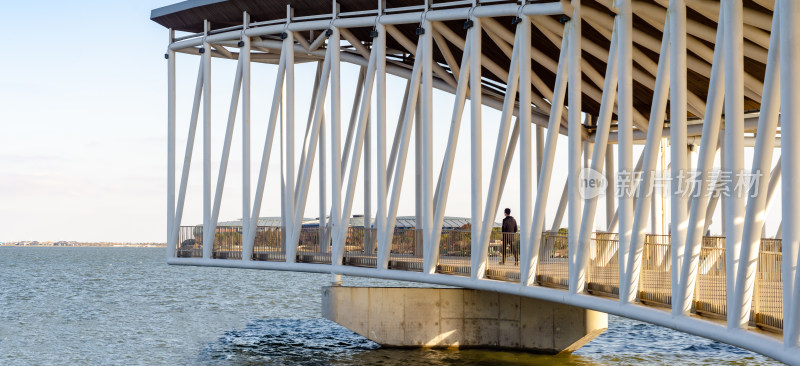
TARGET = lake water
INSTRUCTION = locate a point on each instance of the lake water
(125, 306)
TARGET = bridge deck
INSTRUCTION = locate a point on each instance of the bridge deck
(655, 285)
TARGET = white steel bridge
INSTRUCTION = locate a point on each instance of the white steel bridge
(723, 77)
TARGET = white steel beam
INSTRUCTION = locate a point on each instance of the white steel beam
(351, 125)
(477, 268)
(758, 194)
(171, 105)
(509, 157)
(226, 147)
(546, 170)
(446, 173)
(208, 235)
(599, 150)
(305, 177)
(558, 219)
(405, 139)
(244, 53)
(610, 172)
(336, 147)
(289, 129)
(631, 267)
(380, 94)
(575, 144)
(677, 131)
(307, 134)
(398, 133)
(499, 154)
(699, 213)
(425, 126)
(524, 131)
(624, 216)
(356, 156)
(277, 94)
(790, 166)
(733, 148)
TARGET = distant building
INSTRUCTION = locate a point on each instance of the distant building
(403, 222)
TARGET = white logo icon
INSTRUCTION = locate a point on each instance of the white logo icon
(592, 183)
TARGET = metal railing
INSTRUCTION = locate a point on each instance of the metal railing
(406, 252)
(767, 305)
(604, 265)
(655, 282)
(269, 244)
(455, 247)
(227, 243)
(314, 245)
(360, 247)
(711, 292)
(503, 257)
(553, 267)
(190, 242)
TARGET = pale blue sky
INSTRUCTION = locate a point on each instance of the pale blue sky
(83, 137)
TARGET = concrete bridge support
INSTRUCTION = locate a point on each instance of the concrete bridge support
(460, 318)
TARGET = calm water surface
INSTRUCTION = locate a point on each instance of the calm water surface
(126, 306)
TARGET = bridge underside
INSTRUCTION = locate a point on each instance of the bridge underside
(460, 318)
(704, 86)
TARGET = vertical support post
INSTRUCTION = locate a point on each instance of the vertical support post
(336, 143)
(574, 141)
(733, 148)
(380, 94)
(525, 165)
(288, 48)
(247, 252)
(790, 166)
(677, 130)
(425, 125)
(477, 269)
(208, 235)
(171, 240)
(625, 211)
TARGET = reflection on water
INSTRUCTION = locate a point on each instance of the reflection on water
(125, 306)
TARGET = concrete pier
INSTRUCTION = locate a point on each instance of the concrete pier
(460, 318)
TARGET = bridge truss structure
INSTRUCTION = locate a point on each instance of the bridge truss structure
(723, 76)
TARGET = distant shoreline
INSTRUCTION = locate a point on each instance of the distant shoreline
(85, 246)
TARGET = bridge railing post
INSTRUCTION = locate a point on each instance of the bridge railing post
(790, 165)
(574, 135)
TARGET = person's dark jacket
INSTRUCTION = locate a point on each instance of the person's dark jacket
(509, 224)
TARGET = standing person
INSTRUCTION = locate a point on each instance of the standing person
(509, 229)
